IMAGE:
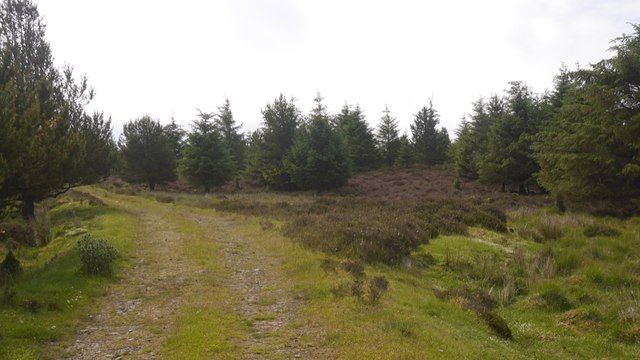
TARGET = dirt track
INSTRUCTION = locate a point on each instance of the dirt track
(142, 310)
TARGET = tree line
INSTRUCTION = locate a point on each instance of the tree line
(290, 151)
(580, 141)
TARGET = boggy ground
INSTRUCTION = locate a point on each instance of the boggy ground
(199, 286)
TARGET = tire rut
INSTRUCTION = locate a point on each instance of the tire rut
(139, 312)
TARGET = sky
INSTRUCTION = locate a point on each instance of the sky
(170, 58)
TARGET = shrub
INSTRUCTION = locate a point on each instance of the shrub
(457, 184)
(167, 199)
(353, 267)
(377, 286)
(356, 288)
(10, 268)
(497, 324)
(96, 255)
(600, 230)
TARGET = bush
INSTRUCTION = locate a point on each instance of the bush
(377, 286)
(96, 255)
(353, 267)
(10, 269)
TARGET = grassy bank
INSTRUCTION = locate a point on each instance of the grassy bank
(48, 301)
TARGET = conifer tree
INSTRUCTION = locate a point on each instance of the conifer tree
(591, 151)
(147, 152)
(430, 144)
(318, 159)
(233, 139)
(46, 134)
(275, 138)
(175, 133)
(359, 138)
(206, 160)
(387, 135)
(406, 156)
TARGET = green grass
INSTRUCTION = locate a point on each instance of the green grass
(49, 300)
(564, 293)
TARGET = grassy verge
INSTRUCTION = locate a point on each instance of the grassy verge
(50, 298)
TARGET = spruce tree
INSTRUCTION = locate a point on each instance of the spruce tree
(359, 138)
(233, 139)
(206, 160)
(430, 144)
(175, 133)
(406, 155)
(591, 151)
(318, 159)
(275, 138)
(387, 135)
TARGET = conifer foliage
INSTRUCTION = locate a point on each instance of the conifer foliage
(206, 160)
(318, 159)
(48, 143)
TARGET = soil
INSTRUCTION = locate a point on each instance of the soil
(140, 311)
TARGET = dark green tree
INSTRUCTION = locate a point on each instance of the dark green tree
(387, 135)
(233, 139)
(430, 144)
(280, 122)
(99, 148)
(509, 158)
(206, 160)
(147, 152)
(359, 138)
(45, 131)
(318, 159)
(406, 155)
(176, 134)
(463, 151)
(591, 151)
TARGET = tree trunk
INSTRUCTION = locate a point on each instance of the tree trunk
(207, 189)
(522, 190)
(503, 188)
(29, 209)
(152, 186)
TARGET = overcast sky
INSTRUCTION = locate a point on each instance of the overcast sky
(167, 58)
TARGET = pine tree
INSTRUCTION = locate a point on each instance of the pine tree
(318, 159)
(147, 152)
(45, 137)
(359, 138)
(206, 160)
(387, 134)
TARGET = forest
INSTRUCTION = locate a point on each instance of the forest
(538, 175)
